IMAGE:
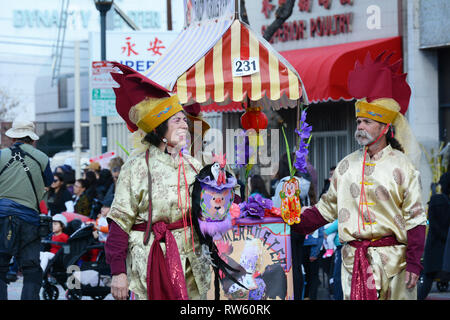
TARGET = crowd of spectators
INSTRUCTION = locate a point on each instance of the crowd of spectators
(85, 196)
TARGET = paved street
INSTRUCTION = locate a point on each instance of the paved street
(434, 294)
(15, 288)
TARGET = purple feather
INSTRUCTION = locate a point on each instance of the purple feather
(215, 228)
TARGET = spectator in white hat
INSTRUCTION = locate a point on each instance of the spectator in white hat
(22, 129)
(24, 174)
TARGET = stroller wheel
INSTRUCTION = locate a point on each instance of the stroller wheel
(442, 286)
(74, 295)
(50, 292)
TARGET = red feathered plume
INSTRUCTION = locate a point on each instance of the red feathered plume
(134, 88)
(378, 79)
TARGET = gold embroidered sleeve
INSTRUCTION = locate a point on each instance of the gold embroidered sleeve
(412, 208)
(124, 208)
(327, 204)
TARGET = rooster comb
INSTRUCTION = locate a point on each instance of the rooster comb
(376, 79)
(134, 88)
(219, 158)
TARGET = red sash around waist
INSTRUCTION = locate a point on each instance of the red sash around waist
(363, 285)
(165, 276)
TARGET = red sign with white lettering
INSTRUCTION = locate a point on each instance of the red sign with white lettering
(329, 25)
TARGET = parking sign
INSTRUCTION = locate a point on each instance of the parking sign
(103, 99)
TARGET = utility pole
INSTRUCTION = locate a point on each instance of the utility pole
(103, 7)
(169, 14)
(77, 107)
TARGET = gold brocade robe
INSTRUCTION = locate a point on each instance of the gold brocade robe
(393, 192)
(130, 206)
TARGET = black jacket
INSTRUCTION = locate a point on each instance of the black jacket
(439, 222)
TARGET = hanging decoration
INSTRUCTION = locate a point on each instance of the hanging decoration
(290, 193)
(254, 119)
(212, 199)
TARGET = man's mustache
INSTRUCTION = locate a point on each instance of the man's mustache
(363, 134)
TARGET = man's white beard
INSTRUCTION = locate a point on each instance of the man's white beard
(363, 137)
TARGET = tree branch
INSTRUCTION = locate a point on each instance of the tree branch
(281, 15)
(8, 104)
(244, 16)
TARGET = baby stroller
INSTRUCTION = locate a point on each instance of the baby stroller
(78, 277)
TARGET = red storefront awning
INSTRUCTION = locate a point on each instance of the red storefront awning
(324, 70)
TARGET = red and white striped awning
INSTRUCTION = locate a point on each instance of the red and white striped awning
(210, 79)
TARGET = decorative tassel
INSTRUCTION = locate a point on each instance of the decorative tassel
(362, 196)
(187, 208)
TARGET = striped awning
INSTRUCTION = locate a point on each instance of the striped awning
(277, 84)
(209, 79)
(190, 45)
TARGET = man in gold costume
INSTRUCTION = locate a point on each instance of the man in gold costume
(375, 192)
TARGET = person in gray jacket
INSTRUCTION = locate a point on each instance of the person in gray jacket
(24, 174)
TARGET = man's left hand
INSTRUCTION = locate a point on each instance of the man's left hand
(411, 279)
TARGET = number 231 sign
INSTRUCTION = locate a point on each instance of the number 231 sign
(245, 67)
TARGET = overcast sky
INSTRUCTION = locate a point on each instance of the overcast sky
(29, 30)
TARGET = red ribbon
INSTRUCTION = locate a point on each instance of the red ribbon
(165, 276)
(363, 284)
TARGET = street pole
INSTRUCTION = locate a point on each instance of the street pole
(103, 7)
(169, 14)
(77, 107)
(103, 56)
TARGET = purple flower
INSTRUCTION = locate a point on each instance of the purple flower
(302, 152)
(261, 201)
(255, 206)
(305, 129)
(243, 152)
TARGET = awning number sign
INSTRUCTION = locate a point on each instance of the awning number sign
(245, 67)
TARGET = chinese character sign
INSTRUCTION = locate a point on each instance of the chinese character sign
(156, 46)
(128, 48)
(267, 8)
(304, 5)
(137, 50)
(325, 3)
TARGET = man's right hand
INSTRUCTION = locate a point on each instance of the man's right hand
(119, 286)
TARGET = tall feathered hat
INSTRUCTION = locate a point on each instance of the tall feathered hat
(383, 95)
(141, 102)
(374, 83)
